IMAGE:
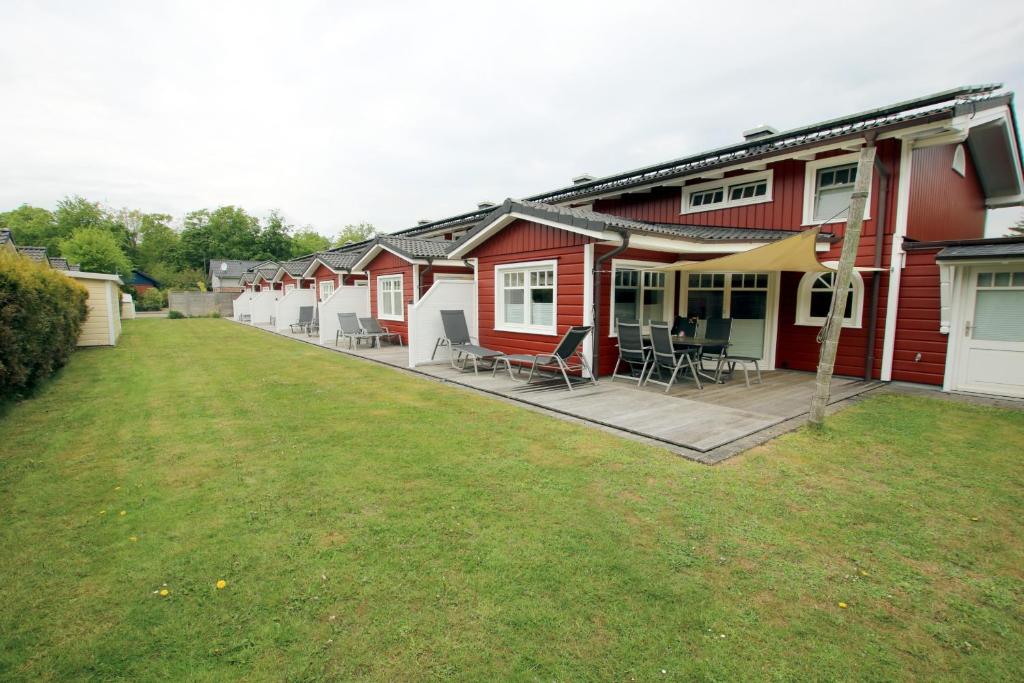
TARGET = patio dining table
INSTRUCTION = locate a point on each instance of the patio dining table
(699, 343)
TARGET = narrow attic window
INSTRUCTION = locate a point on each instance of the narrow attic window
(960, 161)
(752, 188)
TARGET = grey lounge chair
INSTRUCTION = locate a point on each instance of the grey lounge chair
(372, 326)
(314, 324)
(460, 344)
(565, 358)
(666, 359)
(633, 353)
(348, 327)
(305, 318)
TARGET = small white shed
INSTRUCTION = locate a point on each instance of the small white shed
(102, 325)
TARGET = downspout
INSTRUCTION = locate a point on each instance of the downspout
(876, 275)
(430, 266)
(596, 303)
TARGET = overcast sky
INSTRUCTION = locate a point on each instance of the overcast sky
(390, 112)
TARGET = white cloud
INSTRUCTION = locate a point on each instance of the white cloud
(338, 113)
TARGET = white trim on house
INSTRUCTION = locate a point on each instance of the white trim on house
(726, 185)
(811, 169)
(401, 297)
(803, 301)
(321, 287)
(588, 304)
(896, 257)
(527, 267)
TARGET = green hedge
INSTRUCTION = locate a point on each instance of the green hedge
(151, 300)
(41, 315)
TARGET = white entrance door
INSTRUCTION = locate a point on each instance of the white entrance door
(992, 359)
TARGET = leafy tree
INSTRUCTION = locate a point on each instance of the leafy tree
(97, 250)
(357, 232)
(227, 232)
(308, 241)
(273, 241)
(171, 278)
(32, 227)
(158, 242)
(77, 213)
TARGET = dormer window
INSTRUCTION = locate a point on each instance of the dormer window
(752, 188)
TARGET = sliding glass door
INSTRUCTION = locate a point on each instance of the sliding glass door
(740, 296)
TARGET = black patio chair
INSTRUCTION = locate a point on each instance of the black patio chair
(565, 358)
(684, 327)
(633, 353)
(348, 327)
(717, 328)
(667, 359)
(460, 344)
(305, 317)
(373, 327)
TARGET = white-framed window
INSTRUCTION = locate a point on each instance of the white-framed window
(639, 294)
(288, 288)
(828, 188)
(525, 297)
(390, 297)
(752, 188)
(814, 299)
(326, 289)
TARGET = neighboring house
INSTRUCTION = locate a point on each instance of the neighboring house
(931, 302)
(141, 282)
(400, 270)
(225, 274)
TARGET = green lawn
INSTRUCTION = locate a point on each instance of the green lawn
(374, 525)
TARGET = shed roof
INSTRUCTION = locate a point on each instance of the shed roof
(998, 248)
(34, 253)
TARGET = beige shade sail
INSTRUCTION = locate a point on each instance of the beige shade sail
(796, 253)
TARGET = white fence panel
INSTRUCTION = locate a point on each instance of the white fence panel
(240, 306)
(346, 299)
(262, 307)
(425, 317)
(287, 310)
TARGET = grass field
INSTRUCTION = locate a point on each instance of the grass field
(370, 524)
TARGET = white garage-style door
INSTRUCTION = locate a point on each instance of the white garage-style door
(991, 358)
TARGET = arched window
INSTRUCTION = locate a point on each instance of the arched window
(814, 298)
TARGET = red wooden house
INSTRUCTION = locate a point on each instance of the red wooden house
(932, 301)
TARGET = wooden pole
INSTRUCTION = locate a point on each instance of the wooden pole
(834, 322)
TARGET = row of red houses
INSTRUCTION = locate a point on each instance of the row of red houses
(932, 302)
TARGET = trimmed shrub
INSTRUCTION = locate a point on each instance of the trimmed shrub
(41, 315)
(175, 315)
(151, 300)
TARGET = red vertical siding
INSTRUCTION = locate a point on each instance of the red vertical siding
(387, 263)
(917, 327)
(784, 212)
(524, 241)
(944, 205)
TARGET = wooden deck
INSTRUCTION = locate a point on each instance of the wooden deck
(706, 425)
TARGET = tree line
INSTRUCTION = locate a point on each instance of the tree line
(106, 240)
